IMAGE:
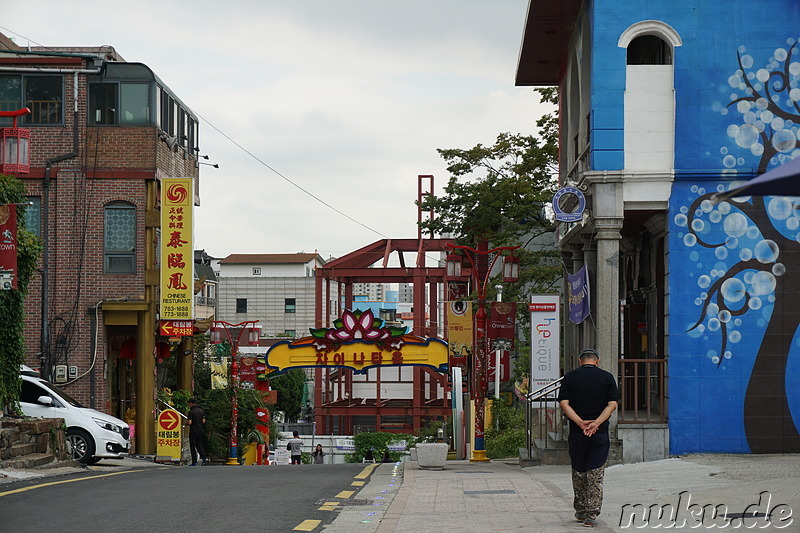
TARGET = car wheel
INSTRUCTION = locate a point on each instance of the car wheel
(93, 461)
(82, 445)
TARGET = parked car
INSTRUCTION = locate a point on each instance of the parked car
(92, 435)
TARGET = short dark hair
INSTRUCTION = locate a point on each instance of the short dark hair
(589, 353)
(295, 433)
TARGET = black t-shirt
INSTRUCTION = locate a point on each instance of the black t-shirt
(588, 389)
(196, 416)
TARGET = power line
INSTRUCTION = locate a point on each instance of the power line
(312, 195)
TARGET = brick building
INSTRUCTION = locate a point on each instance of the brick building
(103, 134)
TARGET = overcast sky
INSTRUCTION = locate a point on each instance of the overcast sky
(348, 99)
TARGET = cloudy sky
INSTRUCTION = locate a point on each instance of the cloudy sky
(346, 101)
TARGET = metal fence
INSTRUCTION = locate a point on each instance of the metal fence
(543, 418)
(642, 390)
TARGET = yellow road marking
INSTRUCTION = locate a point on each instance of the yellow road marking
(307, 525)
(345, 494)
(367, 471)
(26, 489)
(329, 506)
(357, 483)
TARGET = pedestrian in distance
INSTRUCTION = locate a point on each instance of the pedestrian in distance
(295, 447)
(318, 454)
(197, 418)
(588, 397)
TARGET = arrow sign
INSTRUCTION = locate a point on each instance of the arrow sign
(169, 420)
(176, 328)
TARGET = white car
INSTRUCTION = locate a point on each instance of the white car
(92, 435)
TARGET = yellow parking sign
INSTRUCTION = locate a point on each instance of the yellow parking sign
(168, 436)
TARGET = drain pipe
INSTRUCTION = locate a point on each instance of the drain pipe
(44, 341)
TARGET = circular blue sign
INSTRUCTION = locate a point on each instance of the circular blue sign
(575, 214)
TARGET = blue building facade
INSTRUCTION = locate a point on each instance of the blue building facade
(679, 100)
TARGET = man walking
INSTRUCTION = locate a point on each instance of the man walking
(196, 420)
(588, 396)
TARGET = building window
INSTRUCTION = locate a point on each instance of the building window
(33, 215)
(43, 95)
(256, 271)
(241, 305)
(119, 228)
(649, 50)
(119, 103)
(289, 305)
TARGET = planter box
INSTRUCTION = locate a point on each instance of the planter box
(432, 455)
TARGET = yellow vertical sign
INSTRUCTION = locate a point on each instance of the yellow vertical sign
(177, 254)
(459, 332)
(168, 436)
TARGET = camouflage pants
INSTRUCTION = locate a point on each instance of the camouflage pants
(588, 487)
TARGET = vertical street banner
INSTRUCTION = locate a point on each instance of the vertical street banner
(502, 328)
(545, 340)
(177, 253)
(8, 247)
(459, 326)
(578, 295)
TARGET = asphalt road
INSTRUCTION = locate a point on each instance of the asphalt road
(176, 499)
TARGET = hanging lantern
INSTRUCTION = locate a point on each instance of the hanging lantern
(453, 267)
(15, 145)
(510, 269)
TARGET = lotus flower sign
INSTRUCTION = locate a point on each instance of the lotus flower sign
(358, 341)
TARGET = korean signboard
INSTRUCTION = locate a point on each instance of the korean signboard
(545, 339)
(177, 256)
(358, 341)
(168, 436)
(8, 247)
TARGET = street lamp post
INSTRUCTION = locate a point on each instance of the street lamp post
(482, 261)
(234, 333)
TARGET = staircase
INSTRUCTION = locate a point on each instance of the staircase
(29, 444)
(547, 444)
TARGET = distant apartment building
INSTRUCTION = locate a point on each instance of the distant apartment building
(278, 290)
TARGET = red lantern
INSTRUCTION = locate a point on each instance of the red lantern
(15, 145)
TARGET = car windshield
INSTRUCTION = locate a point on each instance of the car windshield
(61, 394)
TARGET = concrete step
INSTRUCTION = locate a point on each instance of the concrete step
(22, 449)
(556, 453)
(32, 460)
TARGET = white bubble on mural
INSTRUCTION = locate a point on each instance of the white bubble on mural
(724, 316)
(704, 281)
(721, 252)
(731, 242)
(698, 225)
(734, 336)
(689, 239)
(715, 216)
(713, 324)
(745, 254)
(783, 140)
(746, 135)
(680, 220)
(779, 207)
(763, 283)
(752, 232)
(779, 269)
(735, 224)
(766, 251)
(732, 289)
(754, 303)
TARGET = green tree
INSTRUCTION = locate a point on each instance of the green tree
(498, 194)
(12, 348)
(290, 386)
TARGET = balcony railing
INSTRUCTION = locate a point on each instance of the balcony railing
(641, 385)
(205, 300)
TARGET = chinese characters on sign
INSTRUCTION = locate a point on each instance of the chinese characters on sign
(177, 262)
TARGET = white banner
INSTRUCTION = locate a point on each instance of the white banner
(545, 340)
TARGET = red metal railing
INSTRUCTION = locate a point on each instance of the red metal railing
(642, 384)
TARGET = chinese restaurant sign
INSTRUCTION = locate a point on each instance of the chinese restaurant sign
(359, 341)
(8, 247)
(177, 257)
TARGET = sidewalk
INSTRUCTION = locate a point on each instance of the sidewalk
(495, 496)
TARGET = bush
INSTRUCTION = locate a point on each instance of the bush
(378, 443)
(507, 434)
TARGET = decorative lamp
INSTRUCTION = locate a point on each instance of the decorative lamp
(453, 267)
(511, 269)
(15, 145)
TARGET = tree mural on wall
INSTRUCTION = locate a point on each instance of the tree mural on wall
(768, 102)
(756, 247)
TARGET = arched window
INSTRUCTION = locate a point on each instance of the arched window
(119, 243)
(649, 50)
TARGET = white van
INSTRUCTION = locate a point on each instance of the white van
(92, 435)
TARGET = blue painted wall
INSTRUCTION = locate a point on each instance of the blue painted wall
(731, 266)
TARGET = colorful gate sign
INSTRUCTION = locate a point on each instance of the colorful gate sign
(359, 341)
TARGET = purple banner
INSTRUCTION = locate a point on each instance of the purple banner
(578, 295)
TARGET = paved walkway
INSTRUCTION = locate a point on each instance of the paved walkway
(496, 496)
